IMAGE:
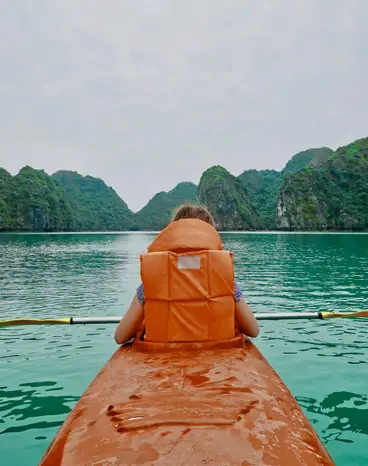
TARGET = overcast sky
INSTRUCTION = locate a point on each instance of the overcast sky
(147, 93)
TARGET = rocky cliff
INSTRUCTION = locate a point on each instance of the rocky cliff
(317, 190)
(262, 187)
(309, 157)
(330, 196)
(32, 201)
(228, 201)
(95, 206)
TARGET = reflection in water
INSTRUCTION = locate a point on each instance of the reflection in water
(348, 412)
(18, 407)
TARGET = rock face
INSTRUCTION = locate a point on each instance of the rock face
(263, 185)
(95, 206)
(158, 212)
(226, 198)
(330, 196)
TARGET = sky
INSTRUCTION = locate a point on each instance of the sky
(147, 93)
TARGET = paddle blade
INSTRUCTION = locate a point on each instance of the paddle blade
(347, 315)
(16, 322)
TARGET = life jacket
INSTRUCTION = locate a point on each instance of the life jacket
(188, 284)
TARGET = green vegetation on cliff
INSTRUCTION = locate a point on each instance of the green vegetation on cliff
(310, 157)
(331, 196)
(262, 187)
(32, 201)
(95, 206)
(317, 190)
(226, 198)
(68, 201)
(6, 186)
(157, 213)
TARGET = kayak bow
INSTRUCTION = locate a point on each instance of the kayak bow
(186, 404)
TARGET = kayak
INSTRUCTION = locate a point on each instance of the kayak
(212, 403)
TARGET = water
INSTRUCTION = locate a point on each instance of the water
(43, 370)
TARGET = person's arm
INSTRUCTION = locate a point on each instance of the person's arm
(245, 319)
(130, 323)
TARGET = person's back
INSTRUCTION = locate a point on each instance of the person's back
(188, 285)
(188, 292)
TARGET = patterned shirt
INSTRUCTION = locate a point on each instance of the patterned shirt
(237, 293)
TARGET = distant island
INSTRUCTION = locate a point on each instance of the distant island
(318, 190)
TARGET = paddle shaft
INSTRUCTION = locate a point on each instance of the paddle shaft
(262, 316)
(265, 316)
(116, 319)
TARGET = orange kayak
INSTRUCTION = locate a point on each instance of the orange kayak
(187, 404)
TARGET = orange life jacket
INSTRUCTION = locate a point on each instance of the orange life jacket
(188, 284)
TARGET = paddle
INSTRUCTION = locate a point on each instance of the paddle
(116, 320)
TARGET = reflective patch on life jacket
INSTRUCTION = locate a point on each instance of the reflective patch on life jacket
(189, 262)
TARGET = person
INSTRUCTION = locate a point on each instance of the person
(181, 297)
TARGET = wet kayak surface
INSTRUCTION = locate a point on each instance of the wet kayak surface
(44, 371)
(220, 406)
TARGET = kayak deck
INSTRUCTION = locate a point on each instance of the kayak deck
(180, 407)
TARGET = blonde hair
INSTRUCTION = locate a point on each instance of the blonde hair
(193, 211)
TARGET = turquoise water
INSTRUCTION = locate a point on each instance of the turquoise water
(43, 370)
